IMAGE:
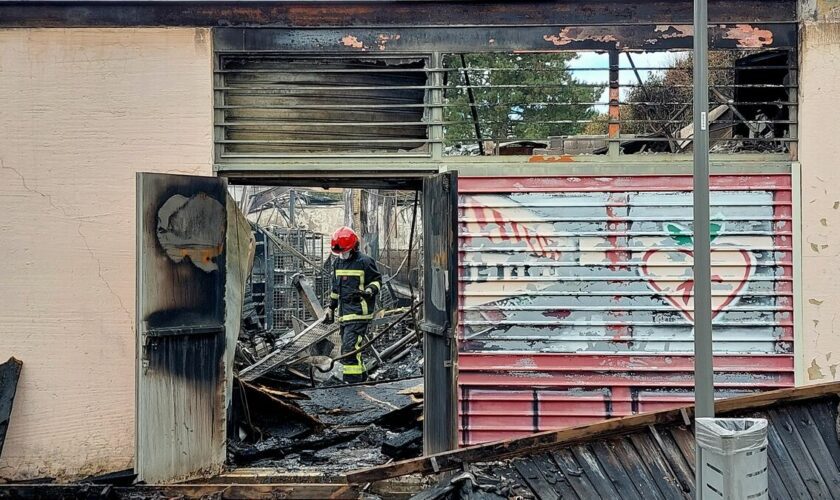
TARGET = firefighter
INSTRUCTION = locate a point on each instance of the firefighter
(355, 284)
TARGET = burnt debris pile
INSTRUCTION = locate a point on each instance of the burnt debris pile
(291, 409)
(327, 429)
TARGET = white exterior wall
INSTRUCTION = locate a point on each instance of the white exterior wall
(820, 159)
(83, 110)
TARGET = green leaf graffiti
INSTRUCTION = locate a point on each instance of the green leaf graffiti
(682, 235)
(679, 234)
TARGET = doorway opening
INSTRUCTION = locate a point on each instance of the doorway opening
(291, 409)
(201, 337)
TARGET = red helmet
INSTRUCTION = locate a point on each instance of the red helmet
(344, 239)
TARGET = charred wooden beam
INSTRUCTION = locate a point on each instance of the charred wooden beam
(553, 439)
(307, 175)
(567, 37)
(307, 293)
(91, 13)
(186, 491)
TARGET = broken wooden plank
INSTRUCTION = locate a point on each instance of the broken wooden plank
(636, 469)
(574, 474)
(802, 422)
(532, 475)
(9, 376)
(269, 400)
(307, 292)
(660, 469)
(784, 465)
(824, 415)
(553, 474)
(552, 439)
(298, 325)
(775, 485)
(674, 457)
(597, 475)
(685, 440)
(414, 390)
(615, 470)
(799, 454)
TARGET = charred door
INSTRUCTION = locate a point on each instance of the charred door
(440, 238)
(181, 230)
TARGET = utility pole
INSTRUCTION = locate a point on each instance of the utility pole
(704, 389)
(703, 366)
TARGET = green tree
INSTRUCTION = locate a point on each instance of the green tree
(667, 96)
(516, 96)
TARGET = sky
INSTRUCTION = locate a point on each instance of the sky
(596, 60)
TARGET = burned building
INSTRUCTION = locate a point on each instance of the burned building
(556, 281)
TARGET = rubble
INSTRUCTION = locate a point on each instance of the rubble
(404, 445)
(291, 411)
(345, 427)
(124, 477)
(287, 350)
(354, 405)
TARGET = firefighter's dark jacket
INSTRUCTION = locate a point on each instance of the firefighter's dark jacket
(351, 276)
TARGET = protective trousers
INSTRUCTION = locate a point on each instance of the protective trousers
(352, 337)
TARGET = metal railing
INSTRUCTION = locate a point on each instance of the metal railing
(444, 105)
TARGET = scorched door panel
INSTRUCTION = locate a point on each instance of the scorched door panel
(181, 230)
(440, 240)
(576, 296)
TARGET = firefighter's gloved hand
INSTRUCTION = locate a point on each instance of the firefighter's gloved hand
(329, 316)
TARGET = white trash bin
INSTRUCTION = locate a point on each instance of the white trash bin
(733, 458)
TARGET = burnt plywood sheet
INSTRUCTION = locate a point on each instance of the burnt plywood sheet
(357, 405)
(657, 462)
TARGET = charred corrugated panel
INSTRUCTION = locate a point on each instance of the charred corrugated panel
(272, 104)
(374, 13)
(581, 288)
(181, 339)
(637, 37)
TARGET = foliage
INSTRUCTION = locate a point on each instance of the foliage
(549, 93)
(667, 95)
(598, 125)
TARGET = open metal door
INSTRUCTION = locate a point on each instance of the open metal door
(181, 380)
(440, 240)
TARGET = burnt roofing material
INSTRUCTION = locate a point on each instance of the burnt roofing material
(657, 461)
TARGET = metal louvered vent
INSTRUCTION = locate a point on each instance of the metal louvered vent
(270, 105)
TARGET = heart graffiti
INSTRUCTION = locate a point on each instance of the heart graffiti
(670, 272)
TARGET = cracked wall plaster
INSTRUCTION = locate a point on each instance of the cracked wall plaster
(818, 154)
(91, 107)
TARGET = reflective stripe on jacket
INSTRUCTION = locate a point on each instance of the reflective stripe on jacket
(351, 276)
